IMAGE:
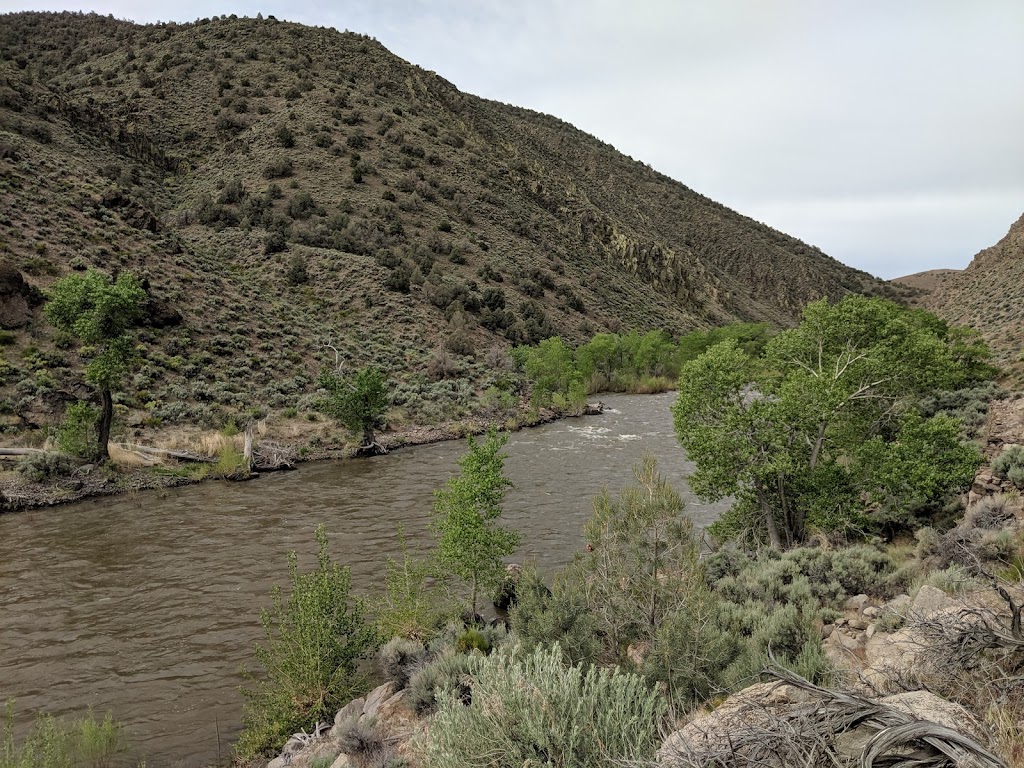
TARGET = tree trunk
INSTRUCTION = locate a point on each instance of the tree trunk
(106, 417)
(769, 517)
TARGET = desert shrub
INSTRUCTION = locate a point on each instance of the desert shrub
(359, 737)
(274, 242)
(472, 640)
(952, 580)
(448, 673)
(1010, 465)
(39, 467)
(76, 434)
(400, 658)
(535, 710)
(297, 274)
(52, 743)
(314, 638)
(278, 169)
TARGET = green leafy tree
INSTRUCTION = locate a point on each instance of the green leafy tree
(359, 402)
(315, 637)
(645, 585)
(100, 312)
(471, 543)
(781, 432)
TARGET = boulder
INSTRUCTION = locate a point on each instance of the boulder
(18, 298)
(350, 711)
(856, 603)
(375, 698)
(929, 601)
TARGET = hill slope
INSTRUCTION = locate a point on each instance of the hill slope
(280, 186)
(988, 295)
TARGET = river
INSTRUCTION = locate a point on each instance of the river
(147, 605)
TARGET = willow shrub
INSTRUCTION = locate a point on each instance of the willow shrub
(534, 709)
(52, 743)
(314, 638)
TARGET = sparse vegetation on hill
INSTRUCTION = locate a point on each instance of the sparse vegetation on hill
(987, 296)
(274, 186)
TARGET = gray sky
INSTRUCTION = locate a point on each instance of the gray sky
(886, 132)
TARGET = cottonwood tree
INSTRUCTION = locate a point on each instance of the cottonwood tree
(784, 433)
(358, 402)
(471, 543)
(100, 312)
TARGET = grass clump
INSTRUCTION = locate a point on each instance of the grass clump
(315, 637)
(534, 709)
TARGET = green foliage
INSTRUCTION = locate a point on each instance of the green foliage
(471, 543)
(1010, 464)
(100, 312)
(76, 435)
(411, 606)
(52, 743)
(534, 710)
(917, 467)
(825, 418)
(472, 640)
(359, 402)
(39, 467)
(750, 337)
(314, 638)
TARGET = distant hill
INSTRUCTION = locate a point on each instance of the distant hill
(987, 295)
(281, 186)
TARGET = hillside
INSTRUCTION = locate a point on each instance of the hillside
(281, 186)
(987, 295)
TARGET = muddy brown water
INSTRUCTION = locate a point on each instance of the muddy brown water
(148, 605)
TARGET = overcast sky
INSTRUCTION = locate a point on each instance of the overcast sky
(890, 133)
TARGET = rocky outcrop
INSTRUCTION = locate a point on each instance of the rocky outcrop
(781, 724)
(373, 727)
(18, 299)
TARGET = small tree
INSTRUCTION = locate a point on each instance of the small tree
(314, 638)
(471, 544)
(101, 313)
(359, 402)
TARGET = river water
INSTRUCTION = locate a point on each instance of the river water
(148, 605)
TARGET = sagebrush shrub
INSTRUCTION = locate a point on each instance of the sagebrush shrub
(536, 710)
(1010, 465)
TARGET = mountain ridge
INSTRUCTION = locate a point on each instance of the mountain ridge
(279, 185)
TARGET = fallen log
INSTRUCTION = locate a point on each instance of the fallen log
(15, 452)
(163, 452)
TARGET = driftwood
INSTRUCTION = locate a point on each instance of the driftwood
(149, 452)
(805, 734)
(14, 453)
(269, 457)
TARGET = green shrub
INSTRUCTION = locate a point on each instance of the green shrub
(52, 743)
(411, 606)
(533, 710)
(314, 638)
(1010, 464)
(472, 640)
(76, 434)
(40, 467)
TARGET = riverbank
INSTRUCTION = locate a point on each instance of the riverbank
(18, 493)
